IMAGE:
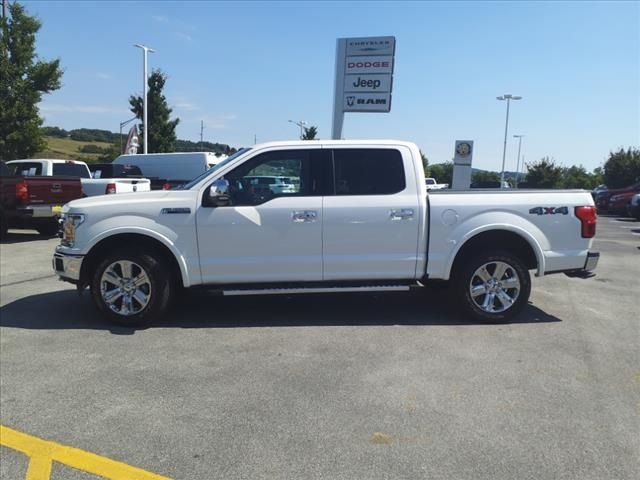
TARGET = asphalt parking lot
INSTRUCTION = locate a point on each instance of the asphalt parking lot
(337, 387)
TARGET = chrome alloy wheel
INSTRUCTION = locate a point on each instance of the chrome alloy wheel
(125, 288)
(494, 287)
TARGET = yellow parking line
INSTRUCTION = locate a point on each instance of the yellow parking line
(42, 453)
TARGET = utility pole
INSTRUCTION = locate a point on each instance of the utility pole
(145, 50)
(255, 138)
(508, 97)
(201, 131)
(4, 8)
(519, 137)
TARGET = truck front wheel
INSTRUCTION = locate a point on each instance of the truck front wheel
(131, 288)
(492, 286)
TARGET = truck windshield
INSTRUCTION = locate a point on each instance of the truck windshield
(213, 169)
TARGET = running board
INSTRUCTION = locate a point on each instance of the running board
(302, 290)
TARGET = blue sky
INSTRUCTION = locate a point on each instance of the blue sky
(245, 68)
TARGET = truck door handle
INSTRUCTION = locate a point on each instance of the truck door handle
(304, 216)
(403, 214)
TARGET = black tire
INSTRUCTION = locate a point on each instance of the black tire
(48, 229)
(466, 276)
(160, 285)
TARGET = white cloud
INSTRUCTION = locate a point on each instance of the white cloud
(59, 108)
(103, 76)
(189, 107)
(183, 36)
(160, 18)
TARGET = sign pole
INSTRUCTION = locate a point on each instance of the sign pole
(338, 98)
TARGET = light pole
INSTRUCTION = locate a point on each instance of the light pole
(519, 137)
(508, 97)
(122, 124)
(145, 50)
(301, 124)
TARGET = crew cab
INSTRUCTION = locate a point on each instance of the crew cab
(360, 219)
(91, 185)
(34, 202)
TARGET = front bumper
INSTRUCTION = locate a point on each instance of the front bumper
(67, 267)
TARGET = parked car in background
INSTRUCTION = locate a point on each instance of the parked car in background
(634, 207)
(433, 185)
(272, 183)
(596, 191)
(90, 185)
(34, 202)
(169, 170)
(604, 197)
(109, 179)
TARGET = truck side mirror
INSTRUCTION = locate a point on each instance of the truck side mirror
(217, 195)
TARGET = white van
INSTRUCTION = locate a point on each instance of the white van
(171, 169)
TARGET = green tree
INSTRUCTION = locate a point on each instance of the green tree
(309, 133)
(23, 81)
(622, 168)
(544, 174)
(425, 163)
(578, 177)
(162, 130)
(484, 176)
(442, 172)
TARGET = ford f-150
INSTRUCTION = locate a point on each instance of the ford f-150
(359, 219)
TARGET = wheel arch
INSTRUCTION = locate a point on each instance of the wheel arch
(511, 239)
(145, 242)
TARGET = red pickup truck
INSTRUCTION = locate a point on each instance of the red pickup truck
(34, 202)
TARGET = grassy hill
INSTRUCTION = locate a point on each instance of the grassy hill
(66, 148)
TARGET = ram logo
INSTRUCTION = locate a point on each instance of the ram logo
(549, 211)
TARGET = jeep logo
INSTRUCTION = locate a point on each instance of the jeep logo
(362, 83)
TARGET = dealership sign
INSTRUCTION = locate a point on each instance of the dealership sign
(364, 77)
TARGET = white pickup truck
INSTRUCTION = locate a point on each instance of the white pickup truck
(360, 219)
(90, 186)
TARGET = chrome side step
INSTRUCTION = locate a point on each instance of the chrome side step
(302, 290)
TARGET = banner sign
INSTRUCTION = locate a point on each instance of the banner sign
(133, 142)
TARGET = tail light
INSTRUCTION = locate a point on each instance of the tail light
(166, 186)
(22, 191)
(588, 217)
(111, 188)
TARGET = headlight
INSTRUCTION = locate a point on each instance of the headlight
(70, 221)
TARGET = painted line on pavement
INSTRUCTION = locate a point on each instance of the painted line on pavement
(43, 453)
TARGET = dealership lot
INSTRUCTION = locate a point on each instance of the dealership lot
(365, 386)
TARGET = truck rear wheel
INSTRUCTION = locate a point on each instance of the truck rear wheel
(131, 288)
(492, 286)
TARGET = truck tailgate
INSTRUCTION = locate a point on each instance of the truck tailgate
(53, 190)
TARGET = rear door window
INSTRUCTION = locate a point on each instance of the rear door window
(70, 169)
(368, 171)
(26, 169)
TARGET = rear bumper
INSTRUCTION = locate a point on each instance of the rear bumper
(39, 211)
(590, 265)
(67, 267)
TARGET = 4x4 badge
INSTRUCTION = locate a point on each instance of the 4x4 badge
(549, 211)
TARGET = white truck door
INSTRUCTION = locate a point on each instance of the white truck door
(371, 224)
(265, 234)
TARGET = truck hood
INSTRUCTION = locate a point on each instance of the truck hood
(121, 199)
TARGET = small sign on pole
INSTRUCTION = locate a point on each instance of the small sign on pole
(364, 77)
(462, 160)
